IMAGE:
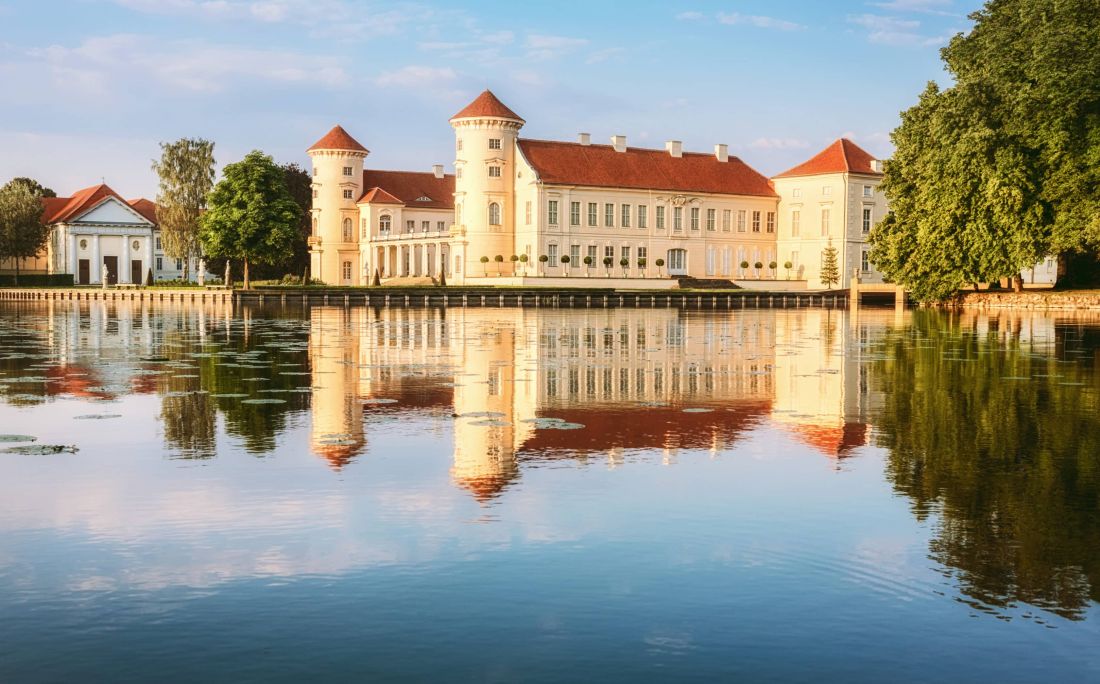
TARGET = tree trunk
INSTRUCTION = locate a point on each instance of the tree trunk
(246, 281)
(16, 281)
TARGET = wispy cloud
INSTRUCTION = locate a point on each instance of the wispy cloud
(779, 144)
(884, 30)
(416, 76)
(758, 21)
(941, 7)
(541, 46)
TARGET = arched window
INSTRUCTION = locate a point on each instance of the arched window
(314, 227)
(384, 225)
(494, 214)
(348, 234)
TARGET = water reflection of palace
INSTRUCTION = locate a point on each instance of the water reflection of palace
(634, 378)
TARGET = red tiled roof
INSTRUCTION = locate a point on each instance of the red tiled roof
(563, 163)
(410, 186)
(487, 105)
(146, 208)
(843, 156)
(337, 139)
(379, 196)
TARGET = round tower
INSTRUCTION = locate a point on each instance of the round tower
(337, 186)
(485, 170)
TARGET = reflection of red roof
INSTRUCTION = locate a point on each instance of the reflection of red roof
(337, 139)
(339, 455)
(843, 156)
(413, 188)
(485, 488)
(634, 427)
(564, 163)
(834, 441)
(487, 105)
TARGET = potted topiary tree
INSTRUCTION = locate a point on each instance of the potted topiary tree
(625, 263)
(565, 264)
(607, 261)
(542, 260)
(660, 263)
(772, 266)
(641, 265)
(523, 259)
(588, 266)
(484, 267)
(500, 260)
(788, 265)
(758, 266)
(514, 259)
(744, 268)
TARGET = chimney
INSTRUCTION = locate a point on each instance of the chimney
(619, 143)
(584, 138)
(722, 152)
(675, 148)
(437, 169)
(876, 165)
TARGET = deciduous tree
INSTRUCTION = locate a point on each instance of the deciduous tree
(22, 231)
(186, 172)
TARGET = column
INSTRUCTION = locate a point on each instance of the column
(70, 257)
(96, 271)
(124, 261)
(147, 261)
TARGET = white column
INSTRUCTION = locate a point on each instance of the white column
(147, 262)
(70, 258)
(124, 261)
(96, 270)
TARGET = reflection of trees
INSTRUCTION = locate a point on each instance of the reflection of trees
(189, 423)
(1011, 466)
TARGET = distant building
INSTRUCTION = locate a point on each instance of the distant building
(704, 215)
(96, 233)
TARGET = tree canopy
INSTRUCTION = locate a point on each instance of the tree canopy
(35, 187)
(186, 172)
(23, 234)
(1002, 168)
(251, 214)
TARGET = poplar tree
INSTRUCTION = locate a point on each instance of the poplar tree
(22, 232)
(186, 172)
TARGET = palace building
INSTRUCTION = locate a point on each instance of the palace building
(530, 212)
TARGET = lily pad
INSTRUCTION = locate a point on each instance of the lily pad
(229, 395)
(380, 400)
(17, 438)
(698, 410)
(263, 401)
(41, 449)
(98, 416)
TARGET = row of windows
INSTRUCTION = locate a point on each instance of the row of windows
(827, 191)
(494, 144)
(592, 252)
(826, 216)
(385, 225)
(628, 213)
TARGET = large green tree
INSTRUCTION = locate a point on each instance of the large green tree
(1002, 168)
(251, 215)
(36, 187)
(23, 234)
(186, 172)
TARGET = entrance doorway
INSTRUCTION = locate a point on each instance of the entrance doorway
(83, 272)
(136, 276)
(677, 262)
(111, 264)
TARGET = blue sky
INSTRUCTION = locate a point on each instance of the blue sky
(91, 86)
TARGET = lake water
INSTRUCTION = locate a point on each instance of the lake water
(499, 495)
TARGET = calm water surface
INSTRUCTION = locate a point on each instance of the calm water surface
(547, 495)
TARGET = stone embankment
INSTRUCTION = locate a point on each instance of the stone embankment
(1069, 300)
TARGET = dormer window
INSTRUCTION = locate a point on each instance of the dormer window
(494, 172)
(494, 143)
(347, 170)
(423, 198)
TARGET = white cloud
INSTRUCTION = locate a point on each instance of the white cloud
(779, 144)
(736, 18)
(416, 76)
(925, 6)
(884, 30)
(540, 46)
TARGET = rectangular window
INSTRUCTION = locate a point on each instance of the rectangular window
(347, 270)
(771, 221)
(592, 209)
(347, 194)
(410, 226)
(441, 226)
(660, 218)
(865, 261)
(552, 252)
(609, 215)
(642, 252)
(425, 226)
(609, 252)
(825, 221)
(574, 255)
(796, 222)
(711, 219)
(756, 221)
(158, 242)
(868, 191)
(625, 218)
(347, 170)
(552, 212)
(527, 212)
(741, 220)
(179, 264)
(695, 218)
(494, 172)
(866, 220)
(797, 192)
(458, 172)
(827, 190)
(316, 194)
(574, 213)
(592, 253)
(624, 253)
(678, 219)
(642, 210)
(727, 220)
(494, 143)
(160, 263)
(363, 227)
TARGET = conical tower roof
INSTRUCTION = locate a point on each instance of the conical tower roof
(487, 105)
(337, 139)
